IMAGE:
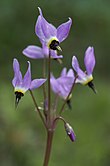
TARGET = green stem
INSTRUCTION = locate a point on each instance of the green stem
(48, 147)
(44, 75)
(36, 106)
(49, 95)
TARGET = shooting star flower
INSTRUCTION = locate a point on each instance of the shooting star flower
(21, 85)
(85, 78)
(49, 36)
(62, 85)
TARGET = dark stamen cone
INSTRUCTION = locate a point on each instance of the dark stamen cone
(91, 85)
(69, 104)
(54, 45)
(18, 97)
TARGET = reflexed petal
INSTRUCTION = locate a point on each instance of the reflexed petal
(54, 84)
(70, 73)
(63, 30)
(45, 50)
(64, 71)
(48, 29)
(65, 85)
(36, 83)
(33, 52)
(38, 29)
(65, 82)
(81, 75)
(27, 77)
(17, 74)
(43, 29)
(89, 60)
(75, 64)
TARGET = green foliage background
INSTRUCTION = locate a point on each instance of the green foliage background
(22, 136)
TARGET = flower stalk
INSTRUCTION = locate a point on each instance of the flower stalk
(50, 134)
(44, 75)
(49, 92)
(37, 108)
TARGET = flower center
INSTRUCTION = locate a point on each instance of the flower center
(54, 44)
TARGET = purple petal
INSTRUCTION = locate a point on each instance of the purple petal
(64, 71)
(45, 50)
(48, 29)
(80, 73)
(33, 52)
(17, 74)
(65, 82)
(27, 78)
(54, 84)
(70, 73)
(43, 29)
(63, 30)
(75, 64)
(36, 83)
(38, 29)
(64, 85)
(89, 60)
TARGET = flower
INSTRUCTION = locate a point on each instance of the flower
(50, 36)
(21, 85)
(85, 78)
(70, 132)
(62, 85)
(43, 30)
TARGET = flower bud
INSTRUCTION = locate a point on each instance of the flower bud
(70, 132)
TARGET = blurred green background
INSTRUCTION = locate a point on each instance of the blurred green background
(22, 136)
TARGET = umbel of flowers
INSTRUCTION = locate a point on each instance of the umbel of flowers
(50, 38)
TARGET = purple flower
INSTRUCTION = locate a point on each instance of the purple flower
(70, 132)
(62, 85)
(21, 85)
(50, 36)
(86, 77)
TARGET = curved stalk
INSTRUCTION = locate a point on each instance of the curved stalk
(36, 106)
